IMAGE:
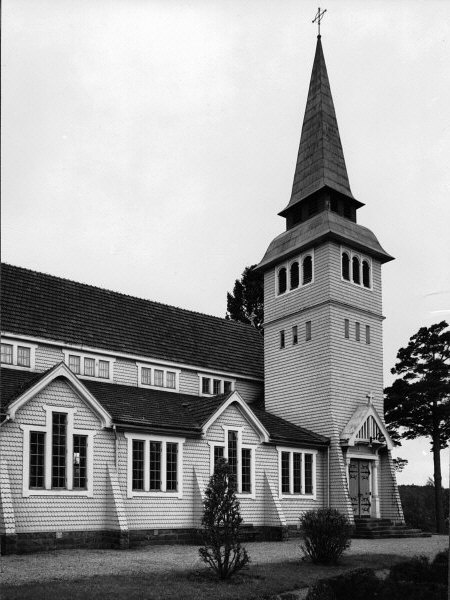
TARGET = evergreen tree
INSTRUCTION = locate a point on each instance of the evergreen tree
(418, 402)
(221, 523)
(246, 303)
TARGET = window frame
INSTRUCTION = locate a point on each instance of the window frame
(287, 266)
(71, 431)
(15, 351)
(297, 495)
(97, 358)
(212, 377)
(155, 367)
(163, 440)
(240, 446)
(361, 258)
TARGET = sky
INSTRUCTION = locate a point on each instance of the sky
(147, 146)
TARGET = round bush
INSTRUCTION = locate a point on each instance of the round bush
(326, 535)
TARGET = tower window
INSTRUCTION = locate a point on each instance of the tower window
(355, 270)
(294, 272)
(307, 270)
(346, 329)
(367, 334)
(295, 335)
(308, 330)
(366, 273)
(282, 340)
(282, 284)
(345, 266)
(357, 332)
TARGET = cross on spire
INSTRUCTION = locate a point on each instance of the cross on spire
(369, 397)
(318, 18)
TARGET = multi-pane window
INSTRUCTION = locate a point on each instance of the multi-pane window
(23, 356)
(356, 268)
(367, 334)
(89, 367)
(171, 466)
(17, 354)
(146, 376)
(59, 441)
(155, 466)
(346, 328)
(297, 472)
(357, 331)
(246, 471)
(158, 378)
(171, 381)
(75, 364)
(240, 458)
(103, 369)
(213, 386)
(232, 452)
(295, 335)
(218, 454)
(79, 462)
(308, 332)
(138, 465)
(300, 272)
(282, 339)
(7, 354)
(37, 459)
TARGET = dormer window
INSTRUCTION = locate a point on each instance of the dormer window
(300, 270)
(17, 354)
(356, 268)
(154, 376)
(213, 386)
(90, 366)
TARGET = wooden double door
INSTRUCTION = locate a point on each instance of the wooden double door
(359, 485)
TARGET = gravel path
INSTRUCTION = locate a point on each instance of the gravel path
(72, 564)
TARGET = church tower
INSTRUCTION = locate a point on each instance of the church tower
(323, 318)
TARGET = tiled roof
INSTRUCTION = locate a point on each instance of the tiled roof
(320, 161)
(44, 306)
(161, 411)
(325, 225)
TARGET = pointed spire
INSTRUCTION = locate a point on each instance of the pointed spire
(320, 161)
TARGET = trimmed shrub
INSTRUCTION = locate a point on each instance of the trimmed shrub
(221, 524)
(326, 535)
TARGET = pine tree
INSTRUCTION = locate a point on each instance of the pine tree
(221, 523)
(246, 303)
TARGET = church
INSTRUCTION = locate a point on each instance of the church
(115, 408)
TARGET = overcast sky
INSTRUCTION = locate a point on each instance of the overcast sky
(147, 146)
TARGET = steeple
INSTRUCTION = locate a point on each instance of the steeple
(320, 174)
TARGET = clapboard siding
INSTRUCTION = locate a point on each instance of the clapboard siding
(390, 504)
(125, 372)
(249, 390)
(47, 357)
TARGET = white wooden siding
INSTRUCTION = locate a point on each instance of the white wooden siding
(47, 357)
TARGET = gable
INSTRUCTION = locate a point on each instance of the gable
(366, 427)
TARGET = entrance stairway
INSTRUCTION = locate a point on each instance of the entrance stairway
(384, 528)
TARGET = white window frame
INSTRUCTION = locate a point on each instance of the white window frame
(15, 344)
(70, 432)
(211, 377)
(302, 451)
(146, 492)
(287, 265)
(361, 258)
(96, 358)
(240, 446)
(165, 370)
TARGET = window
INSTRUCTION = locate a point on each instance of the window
(158, 376)
(17, 354)
(308, 330)
(296, 472)
(57, 457)
(294, 272)
(357, 332)
(367, 334)
(356, 268)
(240, 457)
(282, 340)
(345, 266)
(282, 285)
(307, 270)
(346, 329)
(356, 277)
(295, 335)
(155, 465)
(213, 386)
(306, 262)
(89, 365)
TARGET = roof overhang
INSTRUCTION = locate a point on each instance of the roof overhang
(349, 435)
(60, 371)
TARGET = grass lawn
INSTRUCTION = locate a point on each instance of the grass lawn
(257, 582)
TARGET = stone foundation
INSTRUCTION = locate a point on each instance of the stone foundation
(22, 543)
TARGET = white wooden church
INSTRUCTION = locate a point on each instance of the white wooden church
(115, 408)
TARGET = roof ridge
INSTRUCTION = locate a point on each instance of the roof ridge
(123, 294)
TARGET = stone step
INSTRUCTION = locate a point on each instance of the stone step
(380, 536)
